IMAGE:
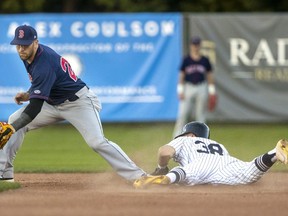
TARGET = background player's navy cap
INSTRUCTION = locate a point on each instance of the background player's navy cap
(195, 40)
(24, 35)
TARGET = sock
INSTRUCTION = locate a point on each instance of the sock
(176, 175)
(266, 161)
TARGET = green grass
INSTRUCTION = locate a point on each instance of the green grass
(4, 186)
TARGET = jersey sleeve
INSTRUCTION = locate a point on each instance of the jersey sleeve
(183, 64)
(176, 144)
(208, 65)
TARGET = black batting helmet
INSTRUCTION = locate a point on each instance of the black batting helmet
(199, 129)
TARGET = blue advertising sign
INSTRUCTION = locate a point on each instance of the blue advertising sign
(130, 61)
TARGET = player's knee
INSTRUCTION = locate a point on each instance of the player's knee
(96, 142)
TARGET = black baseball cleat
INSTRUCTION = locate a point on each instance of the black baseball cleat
(6, 179)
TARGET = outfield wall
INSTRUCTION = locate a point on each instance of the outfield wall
(131, 61)
(250, 55)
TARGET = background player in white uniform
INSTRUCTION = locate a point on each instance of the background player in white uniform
(204, 161)
(56, 94)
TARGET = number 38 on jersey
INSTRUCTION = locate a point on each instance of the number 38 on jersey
(211, 148)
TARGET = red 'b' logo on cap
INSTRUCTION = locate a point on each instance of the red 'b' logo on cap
(21, 34)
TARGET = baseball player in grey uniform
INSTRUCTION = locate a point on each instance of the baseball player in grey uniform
(196, 87)
(205, 161)
(56, 94)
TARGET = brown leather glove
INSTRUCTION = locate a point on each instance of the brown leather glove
(212, 101)
(160, 171)
(6, 131)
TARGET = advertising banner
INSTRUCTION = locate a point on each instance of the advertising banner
(250, 56)
(129, 60)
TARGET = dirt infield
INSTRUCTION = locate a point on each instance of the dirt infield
(107, 194)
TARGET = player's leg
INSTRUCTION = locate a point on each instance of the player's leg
(182, 118)
(201, 103)
(248, 172)
(83, 115)
(185, 109)
(47, 116)
(6, 172)
(266, 161)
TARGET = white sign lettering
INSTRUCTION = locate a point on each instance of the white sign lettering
(240, 49)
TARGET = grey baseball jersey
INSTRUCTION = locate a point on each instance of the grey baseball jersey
(206, 161)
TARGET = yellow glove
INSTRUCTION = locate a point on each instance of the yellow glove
(6, 131)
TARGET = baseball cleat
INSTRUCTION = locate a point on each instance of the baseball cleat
(282, 151)
(149, 180)
(6, 180)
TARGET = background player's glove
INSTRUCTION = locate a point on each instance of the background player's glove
(160, 171)
(6, 131)
(212, 101)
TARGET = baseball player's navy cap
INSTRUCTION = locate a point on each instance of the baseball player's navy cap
(195, 40)
(24, 35)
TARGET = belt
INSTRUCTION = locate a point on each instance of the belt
(73, 98)
(78, 94)
(196, 84)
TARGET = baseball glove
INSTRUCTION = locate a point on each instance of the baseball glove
(212, 102)
(160, 171)
(6, 131)
(145, 181)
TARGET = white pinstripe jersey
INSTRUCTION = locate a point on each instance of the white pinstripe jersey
(206, 161)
